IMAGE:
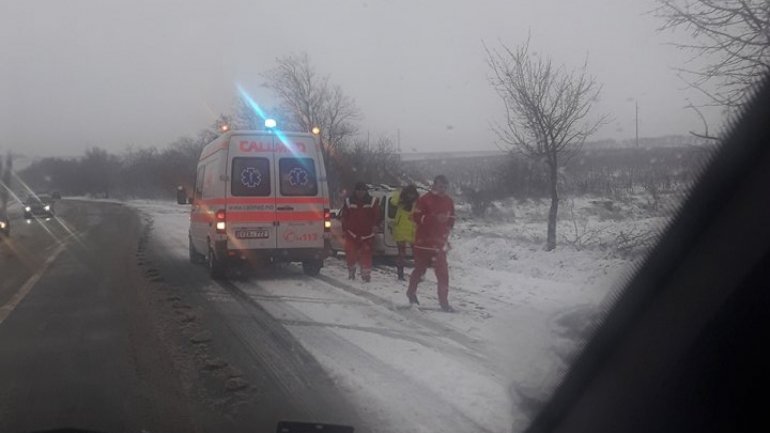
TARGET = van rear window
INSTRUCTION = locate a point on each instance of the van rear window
(298, 177)
(250, 177)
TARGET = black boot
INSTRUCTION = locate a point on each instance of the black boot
(401, 274)
(351, 273)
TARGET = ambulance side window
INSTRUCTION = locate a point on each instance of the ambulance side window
(250, 177)
(298, 177)
(199, 182)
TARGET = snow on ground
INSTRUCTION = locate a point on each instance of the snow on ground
(522, 312)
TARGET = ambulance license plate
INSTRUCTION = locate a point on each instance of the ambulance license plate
(252, 234)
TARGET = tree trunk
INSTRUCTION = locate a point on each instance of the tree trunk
(553, 212)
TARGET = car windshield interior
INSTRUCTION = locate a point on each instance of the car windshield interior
(198, 232)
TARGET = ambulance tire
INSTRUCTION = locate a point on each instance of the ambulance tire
(312, 267)
(195, 257)
(217, 268)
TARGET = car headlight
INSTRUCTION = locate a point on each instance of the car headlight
(28, 209)
(2, 225)
(47, 208)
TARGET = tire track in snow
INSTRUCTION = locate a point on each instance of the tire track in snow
(444, 416)
(472, 345)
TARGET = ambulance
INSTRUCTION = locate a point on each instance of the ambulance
(259, 197)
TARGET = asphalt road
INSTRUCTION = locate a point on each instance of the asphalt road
(100, 330)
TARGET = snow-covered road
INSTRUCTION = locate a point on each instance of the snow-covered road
(424, 370)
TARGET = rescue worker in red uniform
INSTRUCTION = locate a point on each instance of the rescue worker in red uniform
(360, 216)
(434, 215)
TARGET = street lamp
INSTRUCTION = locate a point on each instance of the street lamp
(316, 130)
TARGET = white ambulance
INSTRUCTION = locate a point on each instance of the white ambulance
(259, 196)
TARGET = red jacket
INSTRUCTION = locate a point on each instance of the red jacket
(360, 217)
(434, 215)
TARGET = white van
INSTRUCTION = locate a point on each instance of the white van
(384, 242)
(260, 196)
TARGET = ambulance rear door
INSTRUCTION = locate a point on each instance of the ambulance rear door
(300, 196)
(251, 219)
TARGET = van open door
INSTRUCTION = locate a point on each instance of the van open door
(389, 220)
(251, 202)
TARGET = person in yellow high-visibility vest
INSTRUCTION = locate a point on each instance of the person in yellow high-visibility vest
(404, 228)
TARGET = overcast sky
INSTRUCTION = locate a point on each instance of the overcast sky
(75, 74)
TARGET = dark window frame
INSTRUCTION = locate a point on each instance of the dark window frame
(235, 177)
(314, 175)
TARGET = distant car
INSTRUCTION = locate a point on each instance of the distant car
(38, 207)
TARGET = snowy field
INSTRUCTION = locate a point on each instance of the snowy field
(521, 313)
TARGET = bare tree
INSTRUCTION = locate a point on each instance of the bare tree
(547, 111)
(312, 101)
(733, 36)
(245, 117)
(99, 170)
(483, 183)
(376, 162)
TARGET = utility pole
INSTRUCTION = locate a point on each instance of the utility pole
(636, 105)
(398, 139)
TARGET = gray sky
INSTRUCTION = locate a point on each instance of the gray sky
(103, 73)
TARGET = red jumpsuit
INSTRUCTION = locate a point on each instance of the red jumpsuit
(434, 215)
(359, 218)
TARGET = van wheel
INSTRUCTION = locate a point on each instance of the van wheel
(217, 268)
(312, 267)
(195, 257)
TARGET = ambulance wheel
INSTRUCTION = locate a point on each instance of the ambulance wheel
(195, 257)
(311, 267)
(217, 268)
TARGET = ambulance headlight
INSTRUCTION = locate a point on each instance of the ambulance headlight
(221, 225)
(270, 123)
(327, 224)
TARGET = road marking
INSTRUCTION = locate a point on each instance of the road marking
(8, 308)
